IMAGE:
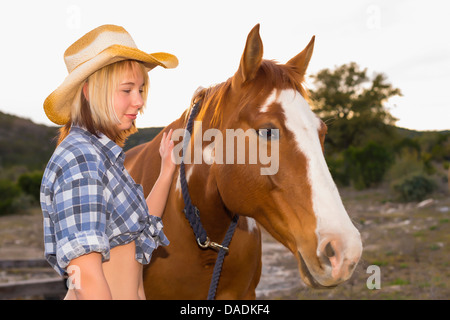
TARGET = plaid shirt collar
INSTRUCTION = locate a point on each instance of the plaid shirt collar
(113, 152)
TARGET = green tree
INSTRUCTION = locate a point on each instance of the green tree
(353, 105)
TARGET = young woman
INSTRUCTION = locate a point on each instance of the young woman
(98, 227)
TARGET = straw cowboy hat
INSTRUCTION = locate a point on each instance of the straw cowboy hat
(98, 48)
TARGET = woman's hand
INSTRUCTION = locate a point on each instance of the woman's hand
(168, 164)
(157, 198)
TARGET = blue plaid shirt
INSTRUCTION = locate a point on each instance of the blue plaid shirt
(90, 203)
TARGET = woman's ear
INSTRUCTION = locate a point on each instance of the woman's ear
(86, 90)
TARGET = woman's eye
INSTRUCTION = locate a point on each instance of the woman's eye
(269, 134)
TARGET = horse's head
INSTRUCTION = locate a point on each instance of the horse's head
(296, 200)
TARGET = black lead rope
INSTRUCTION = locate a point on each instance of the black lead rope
(193, 215)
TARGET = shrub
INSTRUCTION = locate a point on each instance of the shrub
(406, 162)
(9, 191)
(367, 165)
(414, 187)
(30, 183)
(337, 169)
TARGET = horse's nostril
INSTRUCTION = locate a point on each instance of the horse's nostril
(329, 251)
(338, 257)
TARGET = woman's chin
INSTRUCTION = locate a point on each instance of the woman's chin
(125, 125)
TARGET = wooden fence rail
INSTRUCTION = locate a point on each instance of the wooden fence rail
(49, 288)
(44, 288)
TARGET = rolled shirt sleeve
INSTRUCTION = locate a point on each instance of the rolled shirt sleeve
(79, 220)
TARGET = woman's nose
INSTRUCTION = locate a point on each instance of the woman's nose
(138, 102)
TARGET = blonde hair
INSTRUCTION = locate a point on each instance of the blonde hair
(97, 113)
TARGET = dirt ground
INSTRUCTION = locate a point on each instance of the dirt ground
(409, 242)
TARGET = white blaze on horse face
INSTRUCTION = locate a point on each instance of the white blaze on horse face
(270, 100)
(330, 213)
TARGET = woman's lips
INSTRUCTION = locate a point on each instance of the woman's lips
(131, 116)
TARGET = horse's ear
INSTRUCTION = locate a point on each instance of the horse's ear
(252, 56)
(301, 61)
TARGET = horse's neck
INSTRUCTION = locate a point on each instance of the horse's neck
(203, 190)
(206, 197)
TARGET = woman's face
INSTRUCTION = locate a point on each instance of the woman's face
(128, 99)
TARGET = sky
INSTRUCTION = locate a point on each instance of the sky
(407, 40)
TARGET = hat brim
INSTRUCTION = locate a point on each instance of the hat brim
(58, 104)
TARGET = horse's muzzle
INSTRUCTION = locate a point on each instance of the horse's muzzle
(337, 257)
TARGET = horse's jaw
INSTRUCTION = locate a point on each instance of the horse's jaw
(315, 270)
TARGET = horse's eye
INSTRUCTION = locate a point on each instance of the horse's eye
(269, 134)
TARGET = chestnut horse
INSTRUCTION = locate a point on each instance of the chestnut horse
(297, 203)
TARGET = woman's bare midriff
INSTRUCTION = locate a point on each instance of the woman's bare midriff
(123, 274)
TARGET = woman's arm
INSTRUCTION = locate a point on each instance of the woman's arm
(156, 200)
(87, 279)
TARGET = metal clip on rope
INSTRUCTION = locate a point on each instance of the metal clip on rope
(210, 244)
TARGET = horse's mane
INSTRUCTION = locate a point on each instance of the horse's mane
(270, 75)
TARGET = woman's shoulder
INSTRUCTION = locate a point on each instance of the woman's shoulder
(75, 158)
(76, 148)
